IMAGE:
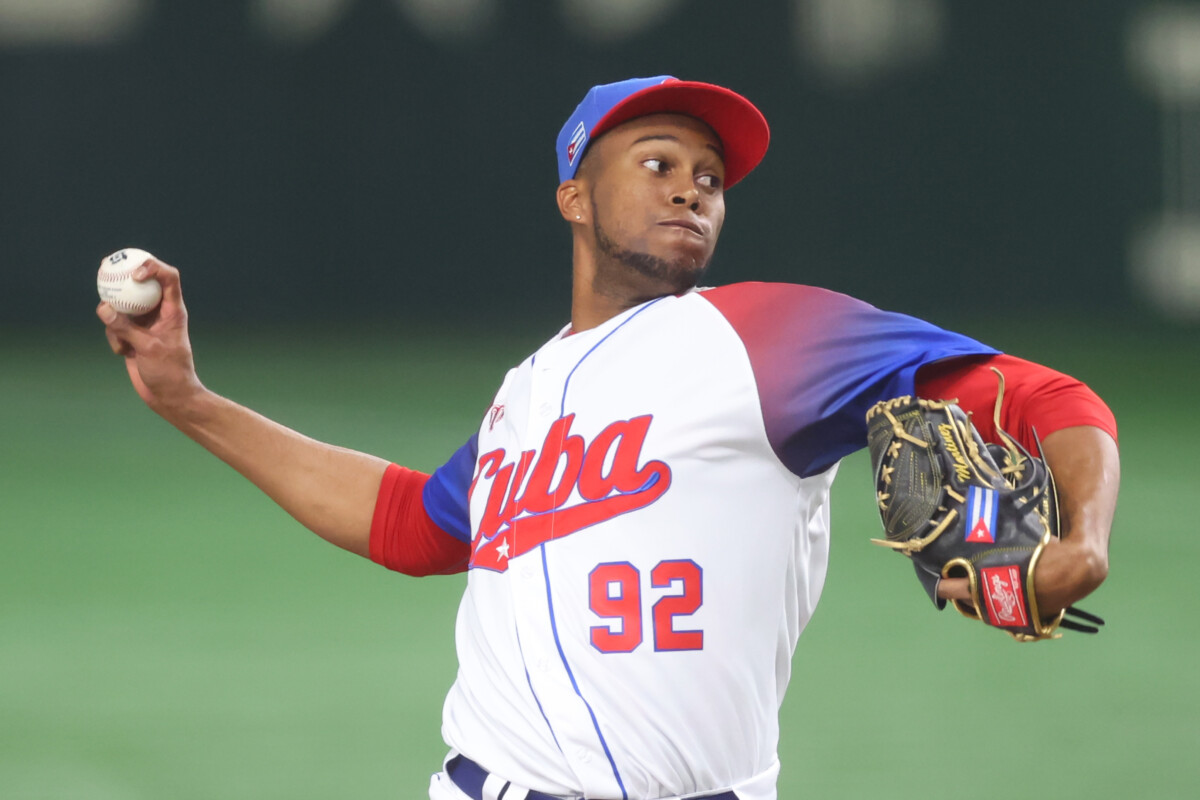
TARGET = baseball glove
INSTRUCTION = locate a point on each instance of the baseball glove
(961, 508)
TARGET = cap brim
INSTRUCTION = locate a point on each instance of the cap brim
(739, 125)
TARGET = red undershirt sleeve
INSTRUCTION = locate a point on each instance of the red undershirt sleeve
(403, 536)
(1035, 397)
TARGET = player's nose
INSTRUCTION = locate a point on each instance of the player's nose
(689, 197)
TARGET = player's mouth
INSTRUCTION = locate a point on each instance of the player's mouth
(685, 224)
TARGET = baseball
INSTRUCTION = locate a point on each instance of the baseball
(117, 287)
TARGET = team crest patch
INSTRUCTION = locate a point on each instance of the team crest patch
(981, 515)
(578, 138)
(1004, 596)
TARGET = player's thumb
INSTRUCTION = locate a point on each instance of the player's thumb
(119, 328)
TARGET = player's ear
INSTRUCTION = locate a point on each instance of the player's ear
(572, 202)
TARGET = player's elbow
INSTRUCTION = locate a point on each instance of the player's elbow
(1088, 569)
(1094, 568)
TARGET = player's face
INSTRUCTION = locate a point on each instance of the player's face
(658, 201)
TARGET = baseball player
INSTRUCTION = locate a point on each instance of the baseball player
(643, 511)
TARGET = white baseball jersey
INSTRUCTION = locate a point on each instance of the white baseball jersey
(648, 509)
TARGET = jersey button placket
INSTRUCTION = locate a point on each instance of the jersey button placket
(526, 584)
(564, 709)
(545, 394)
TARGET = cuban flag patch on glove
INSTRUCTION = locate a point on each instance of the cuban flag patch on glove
(981, 515)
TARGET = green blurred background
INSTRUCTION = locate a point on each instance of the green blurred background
(359, 193)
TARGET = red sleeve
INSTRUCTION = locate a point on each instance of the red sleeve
(403, 536)
(1035, 397)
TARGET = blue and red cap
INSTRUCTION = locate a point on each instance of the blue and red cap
(740, 126)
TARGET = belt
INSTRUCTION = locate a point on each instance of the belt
(470, 778)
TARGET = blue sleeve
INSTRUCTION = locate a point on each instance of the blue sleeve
(821, 359)
(445, 493)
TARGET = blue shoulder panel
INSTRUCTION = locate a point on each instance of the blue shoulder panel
(821, 359)
(445, 494)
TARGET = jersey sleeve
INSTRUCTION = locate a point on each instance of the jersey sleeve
(404, 537)
(446, 492)
(1037, 400)
(421, 524)
(820, 359)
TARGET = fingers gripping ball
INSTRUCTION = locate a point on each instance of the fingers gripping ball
(117, 287)
(959, 507)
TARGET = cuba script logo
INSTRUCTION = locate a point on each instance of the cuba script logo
(527, 499)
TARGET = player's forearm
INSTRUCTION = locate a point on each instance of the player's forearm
(330, 490)
(1087, 471)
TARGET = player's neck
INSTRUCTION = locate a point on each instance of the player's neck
(599, 295)
(593, 310)
(591, 305)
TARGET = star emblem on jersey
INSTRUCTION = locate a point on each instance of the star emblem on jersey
(562, 488)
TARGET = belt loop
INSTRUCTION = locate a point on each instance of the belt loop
(494, 787)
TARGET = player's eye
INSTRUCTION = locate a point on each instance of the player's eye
(655, 164)
(710, 181)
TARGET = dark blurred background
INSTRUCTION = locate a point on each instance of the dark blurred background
(357, 189)
(393, 159)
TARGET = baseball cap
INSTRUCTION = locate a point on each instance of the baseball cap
(740, 126)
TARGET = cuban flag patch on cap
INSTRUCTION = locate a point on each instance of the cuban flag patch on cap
(981, 515)
(575, 146)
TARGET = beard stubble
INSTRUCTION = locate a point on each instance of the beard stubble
(619, 266)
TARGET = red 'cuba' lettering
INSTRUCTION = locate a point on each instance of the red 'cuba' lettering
(513, 525)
